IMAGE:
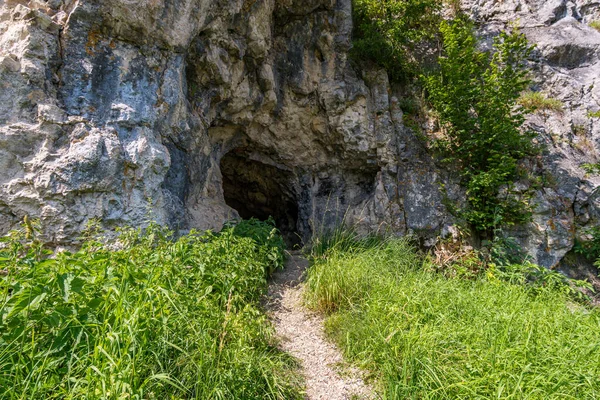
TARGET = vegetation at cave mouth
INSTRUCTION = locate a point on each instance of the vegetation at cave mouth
(157, 318)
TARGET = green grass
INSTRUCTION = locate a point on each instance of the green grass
(427, 336)
(536, 101)
(592, 169)
(157, 319)
(594, 114)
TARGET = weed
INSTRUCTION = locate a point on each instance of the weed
(589, 248)
(341, 238)
(455, 259)
(540, 280)
(592, 169)
(579, 130)
(594, 114)
(595, 25)
(584, 144)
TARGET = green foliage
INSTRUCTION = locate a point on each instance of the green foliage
(595, 25)
(594, 114)
(157, 319)
(535, 101)
(426, 336)
(264, 232)
(590, 248)
(508, 262)
(593, 169)
(475, 96)
(504, 250)
(540, 280)
(388, 31)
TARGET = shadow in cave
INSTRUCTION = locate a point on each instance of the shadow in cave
(259, 190)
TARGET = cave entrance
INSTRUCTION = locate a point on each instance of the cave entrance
(259, 190)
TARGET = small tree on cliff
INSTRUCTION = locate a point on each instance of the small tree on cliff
(475, 95)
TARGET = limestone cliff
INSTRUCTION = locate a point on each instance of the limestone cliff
(190, 112)
(566, 67)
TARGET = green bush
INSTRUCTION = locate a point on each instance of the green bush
(272, 249)
(387, 32)
(159, 318)
(426, 336)
(475, 96)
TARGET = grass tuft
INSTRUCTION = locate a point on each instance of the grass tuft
(535, 101)
(593, 114)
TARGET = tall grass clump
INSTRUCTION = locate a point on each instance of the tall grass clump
(341, 239)
(425, 335)
(157, 319)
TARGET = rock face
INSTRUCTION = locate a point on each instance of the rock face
(128, 110)
(191, 112)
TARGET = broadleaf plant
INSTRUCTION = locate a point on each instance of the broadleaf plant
(475, 95)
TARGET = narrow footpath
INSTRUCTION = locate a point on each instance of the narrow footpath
(301, 334)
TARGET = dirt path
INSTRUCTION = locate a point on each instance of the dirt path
(301, 334)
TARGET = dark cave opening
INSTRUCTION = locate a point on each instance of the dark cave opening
(259, 190)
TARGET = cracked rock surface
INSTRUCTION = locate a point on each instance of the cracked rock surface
(123, 110)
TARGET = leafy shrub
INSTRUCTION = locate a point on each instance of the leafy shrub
(475, 96)
(265, 232)
(387, 32)
(504, 250)
(535, 101)
(159, 318)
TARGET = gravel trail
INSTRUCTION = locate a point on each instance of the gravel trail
(301, 334)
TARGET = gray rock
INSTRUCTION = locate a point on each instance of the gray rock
(131, 111)
(566, 67)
